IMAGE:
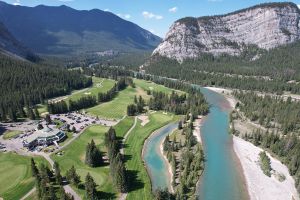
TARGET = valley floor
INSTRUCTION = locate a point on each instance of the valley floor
(259, 185)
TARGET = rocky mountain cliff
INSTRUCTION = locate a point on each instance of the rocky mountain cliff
(264, 26)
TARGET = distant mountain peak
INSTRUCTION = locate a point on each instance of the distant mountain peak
(64, 30)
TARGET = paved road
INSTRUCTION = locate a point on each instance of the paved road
(70, 190)
(29, 193)
(124, 195)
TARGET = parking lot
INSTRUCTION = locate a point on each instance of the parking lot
(80, 121)
(67, 122)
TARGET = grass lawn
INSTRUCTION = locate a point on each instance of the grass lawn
(74, 154)
(33, 196)
(42, 109)
(99, 85)
(148, 85)
(10, 134)
(140, 181)
(15, 175)
(116, 108)
(123, 126)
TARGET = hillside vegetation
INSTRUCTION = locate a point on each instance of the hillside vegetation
(25, 84)
(255, 69)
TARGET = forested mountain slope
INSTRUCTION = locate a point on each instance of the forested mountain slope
(256, 48)
(24, 84)
(10, 46)
(63, 30)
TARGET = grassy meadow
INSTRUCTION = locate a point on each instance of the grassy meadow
(15, 175)
(74, 154)
(10, 134)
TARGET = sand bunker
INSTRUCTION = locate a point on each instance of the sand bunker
(144, 119)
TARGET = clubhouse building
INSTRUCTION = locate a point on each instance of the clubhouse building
(44, 137)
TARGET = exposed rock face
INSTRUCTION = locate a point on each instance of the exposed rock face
(265, 26)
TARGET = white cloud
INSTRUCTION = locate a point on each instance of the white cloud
(173, 10)
(149, 15)
(154, 32)
(126, 16)
(17, 3)
(299, 6)
(106, 10)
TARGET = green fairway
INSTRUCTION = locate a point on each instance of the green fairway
(148, 85)
(74, 154)
(99, 85)
(11, 134)
(42, 109)
(140, 181)
(116, 108)
(15, 175)
(123, 126)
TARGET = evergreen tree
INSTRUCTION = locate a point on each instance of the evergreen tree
(90, 188)
(48, 119)
(36, 112)
(58, 177)
(73, 177)
(93, 156)
(34, 169)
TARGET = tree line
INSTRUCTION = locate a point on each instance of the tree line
(270, 112)
(49, 185)
(286, 147)
(179, 104)
(118, 170)
(25, 84)
(186, 158)
(270, 71)
(89, 101)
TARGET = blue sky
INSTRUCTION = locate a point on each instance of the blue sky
(153, 15)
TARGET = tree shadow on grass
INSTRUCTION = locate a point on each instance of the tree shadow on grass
(134, 182)
(105, 195)
(127, 157)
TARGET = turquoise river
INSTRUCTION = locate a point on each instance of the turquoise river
(222, 178)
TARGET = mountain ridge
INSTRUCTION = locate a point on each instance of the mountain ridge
(263, 26)
(10, 46)
(63, 30)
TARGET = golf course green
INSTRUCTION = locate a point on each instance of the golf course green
(15, 175)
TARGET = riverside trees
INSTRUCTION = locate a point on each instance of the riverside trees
(265, 163)
(271, 111)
